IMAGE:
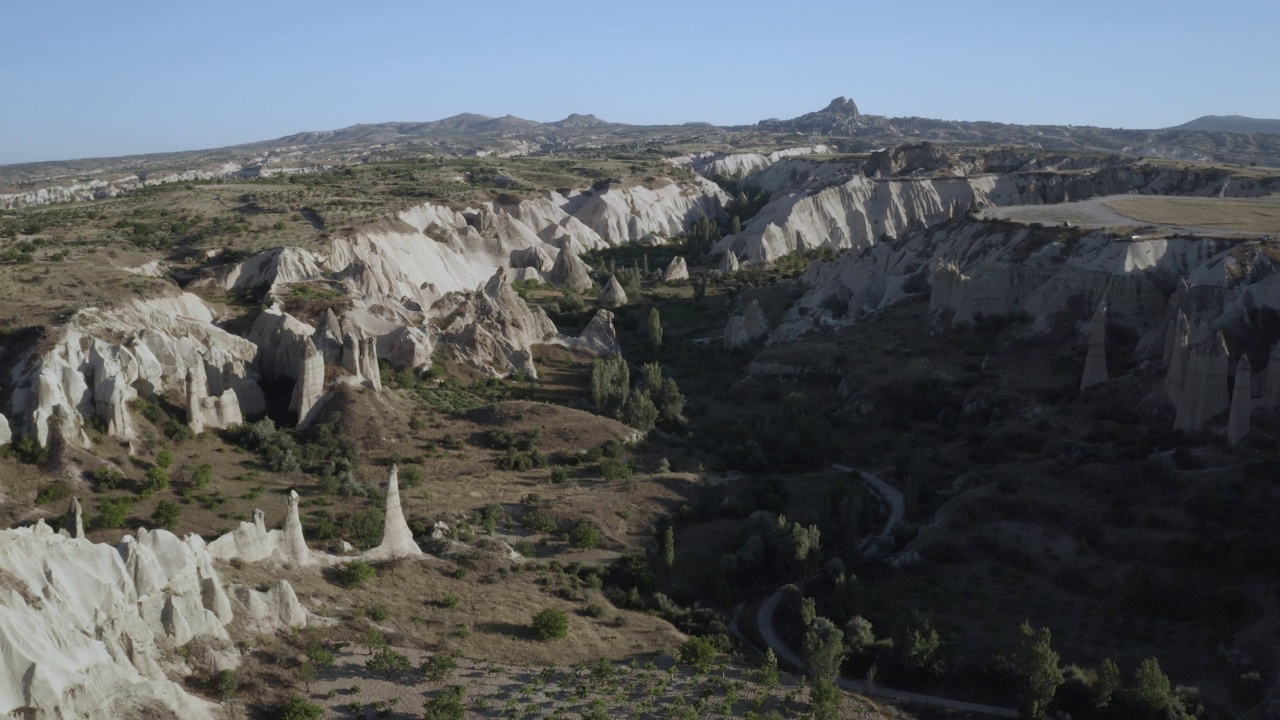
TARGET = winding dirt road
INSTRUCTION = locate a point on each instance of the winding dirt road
(764, 621)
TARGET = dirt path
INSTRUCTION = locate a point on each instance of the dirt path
(764, 621)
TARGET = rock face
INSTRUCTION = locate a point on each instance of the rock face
(1179, 351)
(677, 270)
(1241, 403)
(6, 434)
(309, 388)
(599, 337)
(729, 262)
(571, 272)
(492, 328)
(84, 627)
(842, 207)
(397, 538)
(1095, 363)
(293, 546)
(102, 359)
(75, 519)
(1271, 400)
(1204, 388)
(746, 327)
(613, 295)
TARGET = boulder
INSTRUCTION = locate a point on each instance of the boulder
(613, 295)
(677, 270)
(746, 327)
(1241, 403)
(1095, 363)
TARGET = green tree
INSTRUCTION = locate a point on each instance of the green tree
(826, 698)
(669, 546)
(114, 512)
(356, 573)
(916, 643)
(654, 333)
(202, 475)
(610, 385)
(550, 624)
(1039, 676)
(388, 662)
(299, 709)
(164, 459)
(698, 653)
(1109, 682)
(166, 514)
(735, 225)
(446, 705)
(225, 685)
(767, 674)
(823, 650)
(585, 536)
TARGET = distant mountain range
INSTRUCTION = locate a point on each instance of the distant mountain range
(1233, 124)
(840, 126)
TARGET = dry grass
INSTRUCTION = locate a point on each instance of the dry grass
(1260, 214)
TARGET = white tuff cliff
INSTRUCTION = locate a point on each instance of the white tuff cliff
(1241, 403)
(1095, 363)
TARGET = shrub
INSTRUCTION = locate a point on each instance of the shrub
(388, 662)
(107, 478)
(440, 666)
(356, 573)
(299, 709)
(585, 536)
(451, 601)
(114, 512)
(164, 459)
(698, 653)
(550, 624)
(157, 479)
(446, 705)
(52, 493)
(613, 469)
(225, 685)
(166, 514)
(202, 475)
(377, 613)
(526, 548)
(320, 656)
(559, 474)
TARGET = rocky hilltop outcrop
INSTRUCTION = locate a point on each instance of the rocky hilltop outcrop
(859, 204)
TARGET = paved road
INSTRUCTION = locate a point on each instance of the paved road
(764, 621)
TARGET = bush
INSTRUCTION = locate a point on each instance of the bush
(320, 656)
(446, 705)
(166, 514)
(388, 662)
(613, 469)
(202, 475)
(439, 667)
(550, 624)
(377, 613)
(559, 474)
(157, 479)
(585, 536)
(114, 512)
(356, 573)
(164, 459)
(52, 493)
(299, 709)
(107, 478)
(698, 653)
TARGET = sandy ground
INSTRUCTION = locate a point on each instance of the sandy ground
(1194, 215)
(650, 689)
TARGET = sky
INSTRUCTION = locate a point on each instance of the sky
(87, 79)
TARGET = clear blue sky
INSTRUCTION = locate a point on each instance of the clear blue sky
(107, 78)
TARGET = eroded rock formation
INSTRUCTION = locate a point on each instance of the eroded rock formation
(613, 295)
(728, 262)
(676, 270)
(1271, 400)
(1204, 387)
(1095, 362)
(397, 538)
(746, 327)
(1241, 403)
(599, 336)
